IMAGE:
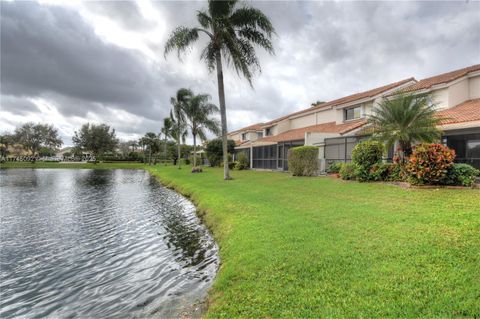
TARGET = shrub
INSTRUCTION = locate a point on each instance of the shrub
(334, 168)
(364, 156)
(199, 159)
(396, 173)
(379, 171)
(461, 175)
(347, 171)
(215, 151)
(429, 164)
(242, 161)
(303, 160)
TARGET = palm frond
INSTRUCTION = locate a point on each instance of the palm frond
(252, 18)
(180, 39)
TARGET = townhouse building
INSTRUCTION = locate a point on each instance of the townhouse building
(338, 125)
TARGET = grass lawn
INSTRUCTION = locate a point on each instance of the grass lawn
(321, 247)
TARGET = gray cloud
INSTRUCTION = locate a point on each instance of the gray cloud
(17, 105)
(324, 50)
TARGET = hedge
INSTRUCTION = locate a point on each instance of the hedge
(303, 160)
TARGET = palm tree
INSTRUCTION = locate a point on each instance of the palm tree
(177, 116)
(197, 112)
(167, 132)
(151, 140)
(233, 32)
(405, 119)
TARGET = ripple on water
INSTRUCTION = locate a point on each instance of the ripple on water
(99, 244)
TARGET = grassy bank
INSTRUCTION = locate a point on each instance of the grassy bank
(319, 247)
(124, 165)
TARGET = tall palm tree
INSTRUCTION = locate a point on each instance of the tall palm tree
(167, 132)
(232, 32)
(405, 119)
(177, 116)
(197, 112)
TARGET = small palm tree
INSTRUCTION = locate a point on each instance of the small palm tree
(232, 32)
(197, 112)
(177, 116)
(167, 132)
(405, 119)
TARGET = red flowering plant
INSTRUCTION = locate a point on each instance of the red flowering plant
(429, 164)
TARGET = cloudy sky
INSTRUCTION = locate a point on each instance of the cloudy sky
(68, 63)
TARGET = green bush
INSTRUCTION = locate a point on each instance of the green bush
(461, 175)
(429, 164)
(347, 171)
(380, 171)
(334, 168)
(396, 173)
(199, 159)
(242, 161)
(364, 156)
(303, 160)
(215, 151)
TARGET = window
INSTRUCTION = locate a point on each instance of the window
(353, 113)
(259, 134)
(268, 131)
(244, 136)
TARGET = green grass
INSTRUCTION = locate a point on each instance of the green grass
(321, 247)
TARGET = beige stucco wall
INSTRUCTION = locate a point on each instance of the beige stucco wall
(303, 121)
(251, 136)
(474, 87)
(440, 98)
(458, 93)
(235, 137)
(326, 116)
(280, 127)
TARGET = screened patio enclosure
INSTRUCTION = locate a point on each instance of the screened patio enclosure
(466, 144)
(273, 156)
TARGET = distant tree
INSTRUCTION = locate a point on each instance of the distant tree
(167, 133)
(317, 103)
(133, 144)
(152, 142)
(6, 140)
(97, 139)
(198, 112)
(33, 136)
(124, 148)
(46, 151)
(177, 115)
(405, 119)
(214, 150)
(233, 31)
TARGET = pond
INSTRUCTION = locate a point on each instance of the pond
(100, 244)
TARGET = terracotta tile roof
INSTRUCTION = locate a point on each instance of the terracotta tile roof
(346, 99)
(465, 112)
(254, 127)
(299, 134)
(441, 79)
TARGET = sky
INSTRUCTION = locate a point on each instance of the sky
(68, 63)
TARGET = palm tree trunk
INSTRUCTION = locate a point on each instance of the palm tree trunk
(194, 150)
(150, 156)
(223, 114)
(179, 152)
(165, 150)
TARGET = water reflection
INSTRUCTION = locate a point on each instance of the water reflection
(99, 244)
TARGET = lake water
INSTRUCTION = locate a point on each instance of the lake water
(99, 244)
